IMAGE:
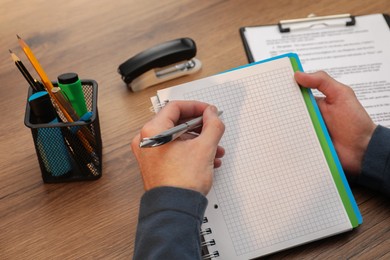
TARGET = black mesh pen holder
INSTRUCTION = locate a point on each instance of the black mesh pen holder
(69, 151)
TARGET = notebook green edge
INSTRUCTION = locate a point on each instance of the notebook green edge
(329, 151)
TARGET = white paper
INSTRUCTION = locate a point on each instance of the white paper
(358, 56)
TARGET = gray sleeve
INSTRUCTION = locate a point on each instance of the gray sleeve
(169, 224)
(376, 162)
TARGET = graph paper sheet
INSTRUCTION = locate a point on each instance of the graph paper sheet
(274, 189)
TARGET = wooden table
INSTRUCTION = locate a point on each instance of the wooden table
(97, 219)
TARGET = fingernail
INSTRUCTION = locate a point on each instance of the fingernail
(214, 109)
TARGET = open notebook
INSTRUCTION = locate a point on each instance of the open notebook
(281, 183)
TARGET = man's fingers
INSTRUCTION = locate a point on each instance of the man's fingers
(176, 110)
(220, 152)
(213, 128)
(323, 82)
(217, 163)
(218, 155)
(170, 115)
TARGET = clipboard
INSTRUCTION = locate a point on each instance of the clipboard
(351, 49)
(284, 26)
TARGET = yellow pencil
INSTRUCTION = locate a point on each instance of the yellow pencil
(44, 78)
(31, 57)
(49, 87)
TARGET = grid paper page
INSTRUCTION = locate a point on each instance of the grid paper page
(274, 189)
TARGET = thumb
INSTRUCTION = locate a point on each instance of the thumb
(213, 128)
(320, 80)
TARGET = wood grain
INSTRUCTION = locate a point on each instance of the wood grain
(97, 220)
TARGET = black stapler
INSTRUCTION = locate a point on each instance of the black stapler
(160, 63)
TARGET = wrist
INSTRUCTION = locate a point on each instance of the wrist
(352, 151)
(376, 161)
(364, 144)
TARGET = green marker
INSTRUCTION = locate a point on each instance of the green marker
(70, 84)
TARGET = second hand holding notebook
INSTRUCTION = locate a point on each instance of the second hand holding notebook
(281, 184)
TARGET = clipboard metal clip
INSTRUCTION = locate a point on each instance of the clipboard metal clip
(312, 21)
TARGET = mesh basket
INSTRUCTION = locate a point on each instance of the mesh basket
(69, 151)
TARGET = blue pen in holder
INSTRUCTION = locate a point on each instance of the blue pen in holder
(66, 151)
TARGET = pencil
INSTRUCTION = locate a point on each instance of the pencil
(26, 74)
(45, 79)
(49, 87)
(65, 103)
(31, 57)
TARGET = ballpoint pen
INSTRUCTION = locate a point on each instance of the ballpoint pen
(173, 133)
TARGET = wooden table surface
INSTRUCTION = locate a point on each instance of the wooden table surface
(97, 219)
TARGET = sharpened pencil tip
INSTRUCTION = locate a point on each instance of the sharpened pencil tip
(18, 36)
(10, 51)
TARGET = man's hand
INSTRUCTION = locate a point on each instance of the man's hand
(349, 125)
(186, 163)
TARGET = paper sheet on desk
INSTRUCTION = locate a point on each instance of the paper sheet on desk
(358, 56)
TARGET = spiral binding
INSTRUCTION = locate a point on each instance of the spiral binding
(206, 254)
(207, 231)
(211, 256)
(208, 243)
